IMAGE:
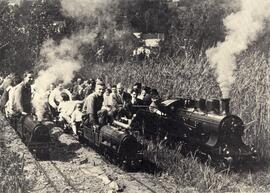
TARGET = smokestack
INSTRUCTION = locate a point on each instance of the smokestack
(210, 106)
(200, 105)
(216, 106)
(181, 102)
(189, 103)
(225, 106)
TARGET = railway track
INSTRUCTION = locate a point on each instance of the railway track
(139, 180)
(131, 176)
(58, 180)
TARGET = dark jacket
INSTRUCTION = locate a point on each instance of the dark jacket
(92, 105)
(137, 105)
(22, 95)
(120, 100)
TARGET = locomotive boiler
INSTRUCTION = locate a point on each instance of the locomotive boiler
(117, 144)
(35, 134)
(202, 125)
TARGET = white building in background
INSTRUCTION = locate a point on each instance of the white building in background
(150, 42)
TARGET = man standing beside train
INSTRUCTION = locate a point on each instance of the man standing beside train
(23, 94)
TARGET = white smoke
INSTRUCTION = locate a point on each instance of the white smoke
(62, 60)
(242, 29)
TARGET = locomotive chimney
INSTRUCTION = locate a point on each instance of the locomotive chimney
(200, 105)
(225, 106)
(216, 106)
(189, 103)
(210, 106)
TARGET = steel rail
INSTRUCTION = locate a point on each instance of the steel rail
(54, 186)
(67, 180)
(41, 168)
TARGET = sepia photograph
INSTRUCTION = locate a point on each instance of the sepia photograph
(134, 96)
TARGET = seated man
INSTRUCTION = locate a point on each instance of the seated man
(107, 102)
(156, 106)
(120, 100)
(88, 88)
(135, 103)
(145, 95)
(93, 106)
(77, 90)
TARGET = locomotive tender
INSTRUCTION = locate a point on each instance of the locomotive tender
(117, 144)
(35, 134)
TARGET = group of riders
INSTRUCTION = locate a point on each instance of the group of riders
(87, 101)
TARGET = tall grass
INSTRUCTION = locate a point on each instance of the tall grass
(250, 99)
(171, 76)
(189, 172)
(12, 178)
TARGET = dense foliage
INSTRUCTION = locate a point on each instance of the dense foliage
(189, 28)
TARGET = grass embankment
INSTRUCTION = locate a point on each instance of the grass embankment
(191, 175)
(12, 178)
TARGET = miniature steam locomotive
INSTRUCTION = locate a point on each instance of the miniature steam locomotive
(35, 134)
(205, 126)
(117, 144)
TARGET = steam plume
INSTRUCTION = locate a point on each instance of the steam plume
(62, 60)
(242, 28)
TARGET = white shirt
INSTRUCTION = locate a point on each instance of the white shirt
(55, 96)
(76, 116)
